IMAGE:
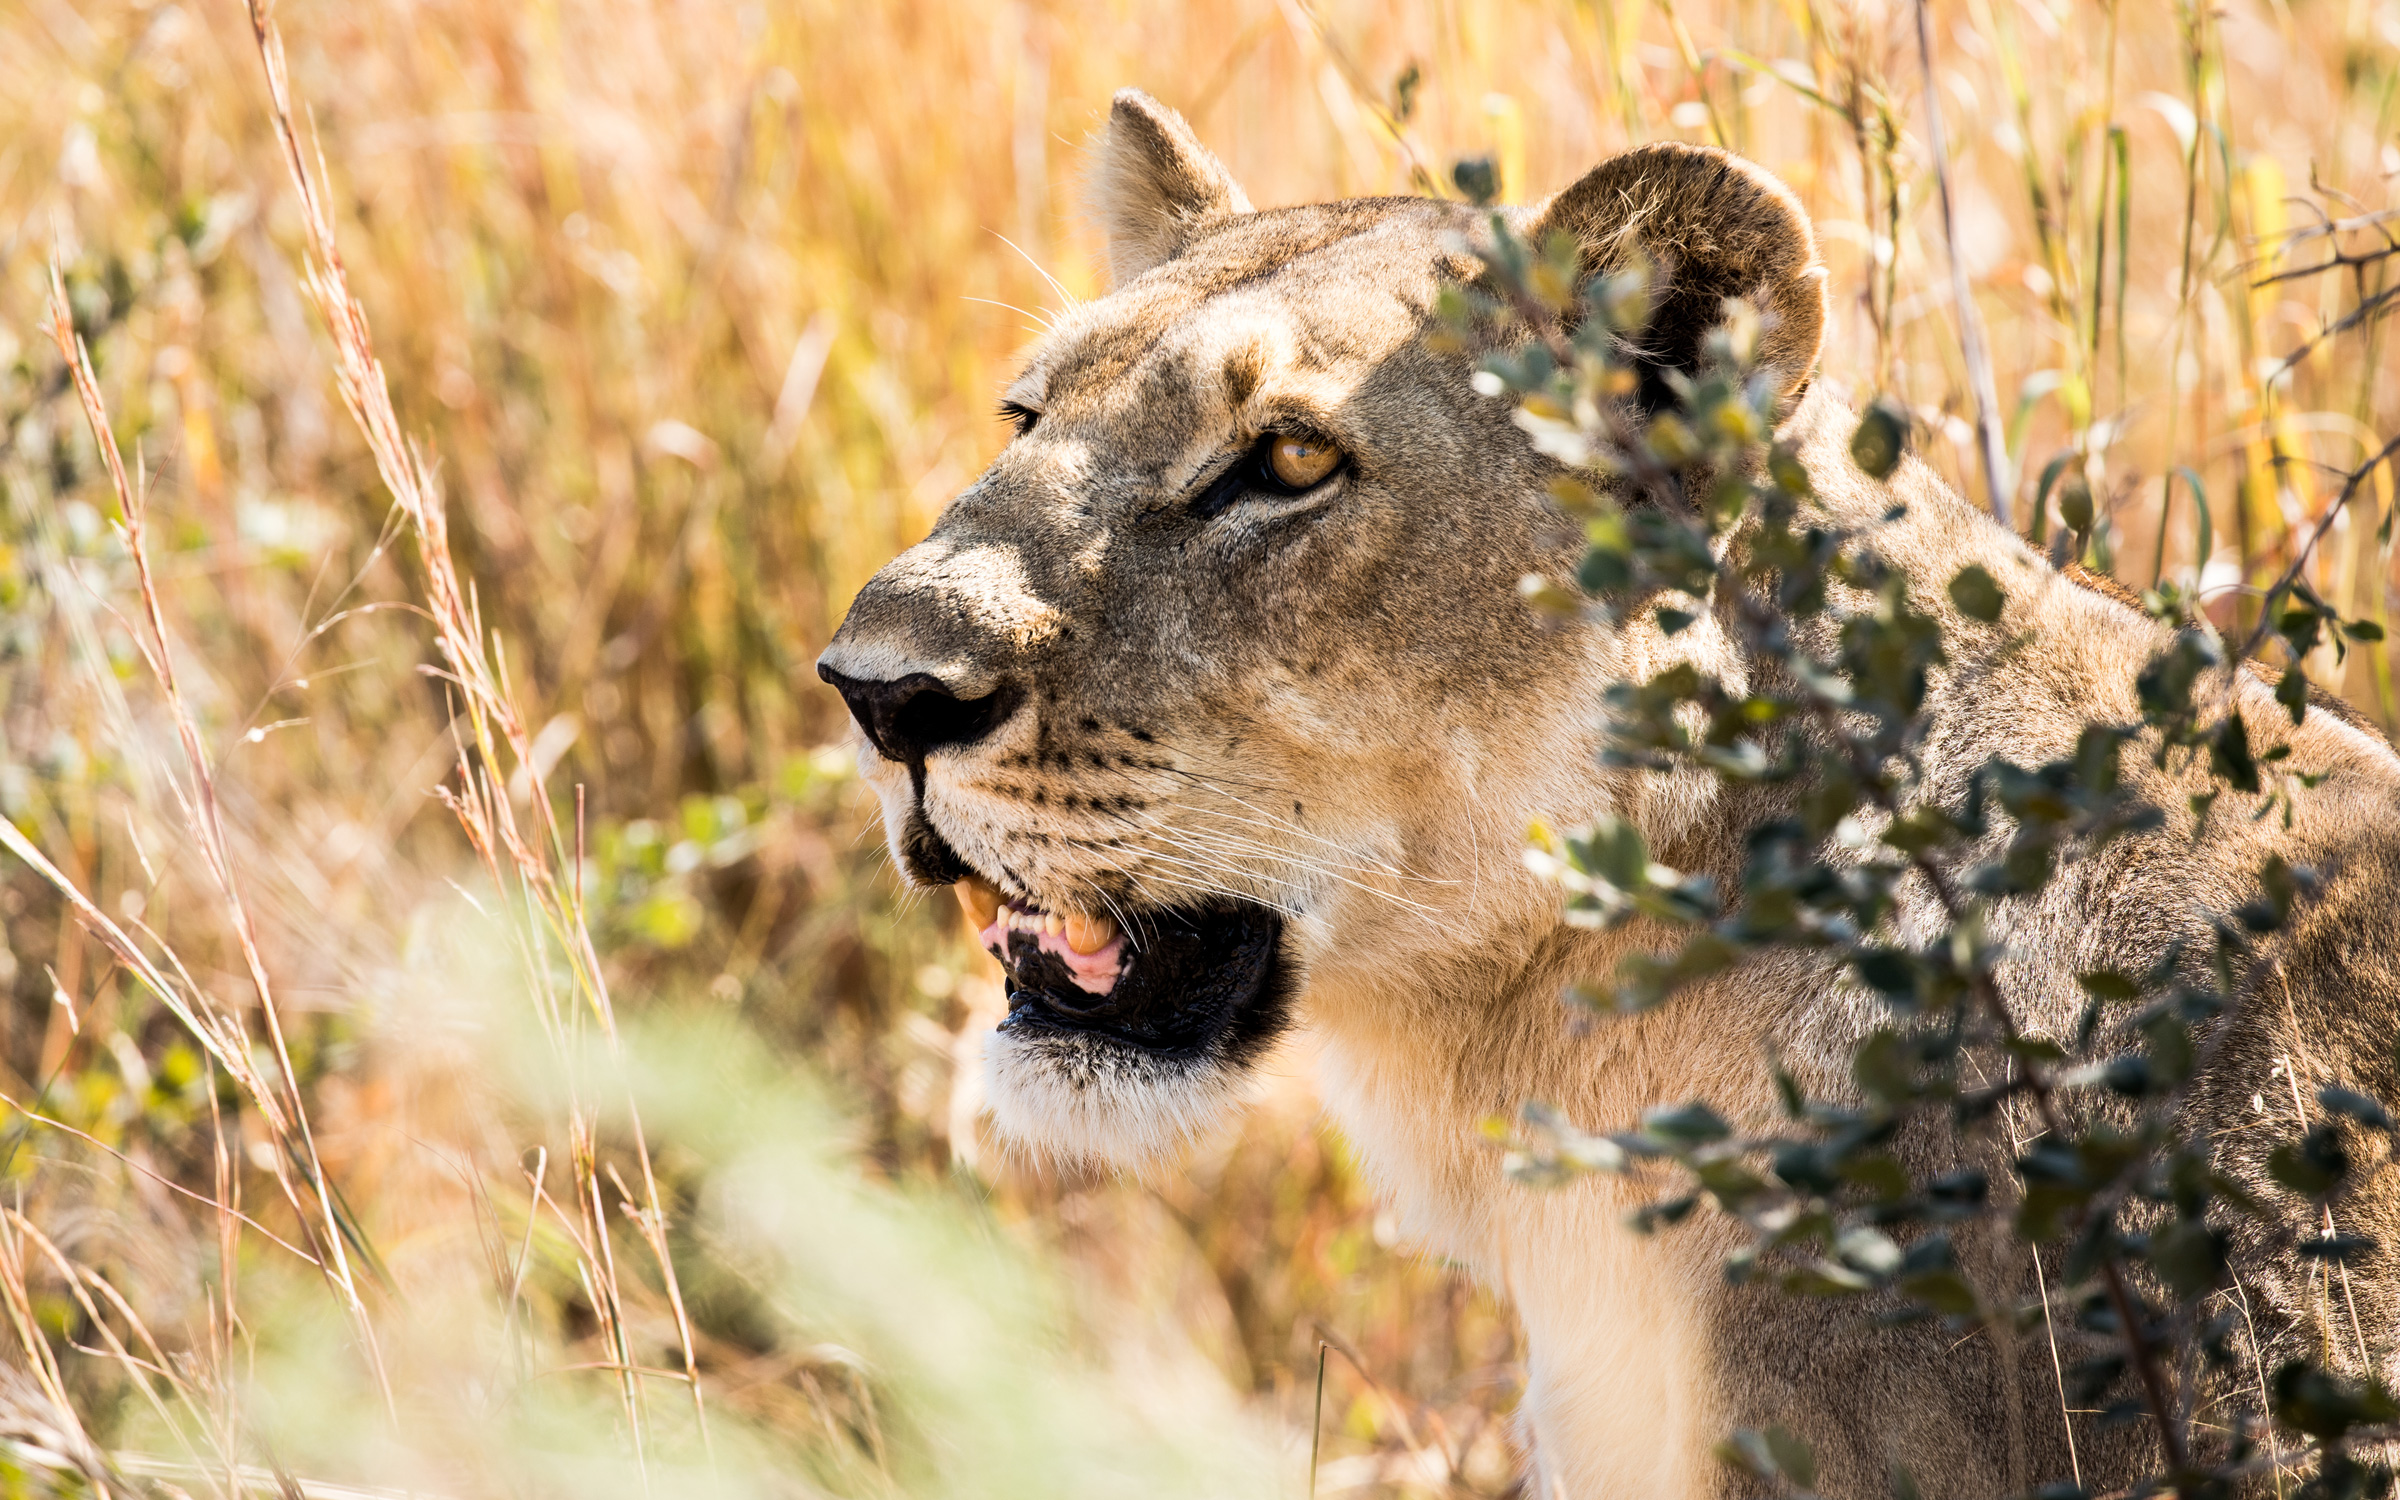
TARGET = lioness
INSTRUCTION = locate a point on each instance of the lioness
(1215, 699)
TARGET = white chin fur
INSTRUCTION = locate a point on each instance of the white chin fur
(1085, 1101)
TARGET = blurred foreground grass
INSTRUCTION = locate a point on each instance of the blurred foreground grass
(699, 311)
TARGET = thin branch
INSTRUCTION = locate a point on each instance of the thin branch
(1990, 445)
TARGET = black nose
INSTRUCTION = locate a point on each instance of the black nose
(910, 716)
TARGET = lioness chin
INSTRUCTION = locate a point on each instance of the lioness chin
(1215, 699)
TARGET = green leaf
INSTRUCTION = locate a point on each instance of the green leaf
(1693, 1124)
(2291, 690)
(1887, 971)
(1477, 179)
(2172, 1053)
(2075, 504)
(2034, 1049)
(2190, 1256)
(2041, 495)
(2341, 1249)
(1769, 1453)
(1825, 1279)
(1883, 1068)
(1792, 1456)
(1977, 594)
(1652, 1217)
(2360, 1107)
(1729, 1182)
(1868, 1250)
(1879, 1175)
(2129, 1075)
(1920, 830)
(2108, 984)
(1946, 1292)
(2229, 755)
(1674, 621)
(1881, 439)
(1645, 980)
(2311, 1166)
(2325, 1405)
(2206, 545)
(1787, 1090)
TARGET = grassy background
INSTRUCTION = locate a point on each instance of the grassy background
(700, 309)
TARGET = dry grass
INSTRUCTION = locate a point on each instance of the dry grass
(330, 1151)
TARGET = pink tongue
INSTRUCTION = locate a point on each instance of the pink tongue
(1093, 973)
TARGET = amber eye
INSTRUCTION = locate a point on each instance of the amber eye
(1301, 463)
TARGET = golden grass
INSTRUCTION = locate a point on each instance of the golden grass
(693, 314)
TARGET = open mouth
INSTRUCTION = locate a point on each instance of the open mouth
(1186, 982)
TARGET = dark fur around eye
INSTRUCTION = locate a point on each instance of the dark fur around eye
(1019, 416)
(1252, 474)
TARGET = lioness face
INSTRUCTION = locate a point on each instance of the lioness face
(1188, 694)
(1143, 683)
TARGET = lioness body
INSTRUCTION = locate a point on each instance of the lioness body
(1116, 681)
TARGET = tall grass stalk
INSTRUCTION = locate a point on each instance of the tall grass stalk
(279, 1099)
(538, 873)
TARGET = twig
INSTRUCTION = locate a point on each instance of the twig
(2291, 574)
(1990, 445)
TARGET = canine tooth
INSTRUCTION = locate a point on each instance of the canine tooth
(980, 899)
(1089, 935)
(1051, 923)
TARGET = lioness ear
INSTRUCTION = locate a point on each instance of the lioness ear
(1154, 184)
(1711, 226)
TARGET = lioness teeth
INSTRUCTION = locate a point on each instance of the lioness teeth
(981, 900)
(985, 906)
(1089, 934)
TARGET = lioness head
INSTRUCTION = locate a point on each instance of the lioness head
(1217, 685)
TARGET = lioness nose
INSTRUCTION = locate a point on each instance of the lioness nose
(910, 716)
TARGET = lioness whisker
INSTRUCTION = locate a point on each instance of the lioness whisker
(1042, 318)
(1201, 868)
(1227, 843)
(1362, 868)
(1056, 286)
(1279, 823)
(1128, 922)
(1394, 898)
(1200, 859)
(1211, 888)
(1333, 871)
(1185, 839)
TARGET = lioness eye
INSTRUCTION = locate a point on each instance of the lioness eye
(1301, 463)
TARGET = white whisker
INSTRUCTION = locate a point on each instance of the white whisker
(1276, 822)
(1185, 839)
(1060, 287)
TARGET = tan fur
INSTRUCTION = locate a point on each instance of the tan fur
(1337, 707)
